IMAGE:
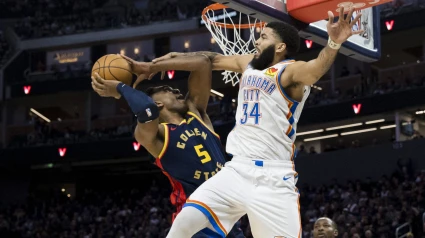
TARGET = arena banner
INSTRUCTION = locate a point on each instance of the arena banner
(66, 57)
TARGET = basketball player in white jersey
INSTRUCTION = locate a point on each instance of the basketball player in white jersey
(260, 180)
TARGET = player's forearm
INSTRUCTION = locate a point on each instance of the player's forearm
(319, 66)
(210, 55)
(184, 63)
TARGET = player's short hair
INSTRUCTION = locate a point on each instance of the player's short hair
(152, 90)
(334, 225)
(288, 34)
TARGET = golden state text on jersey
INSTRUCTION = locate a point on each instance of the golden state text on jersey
(192, 154)
(266, 117)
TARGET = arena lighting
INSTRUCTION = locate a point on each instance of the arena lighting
(356, 108)
(359, 131)
(420, 112)
(40, 115)
(308, 43)
(320, 137)
(136, 146)
(375, 121)
(344, 126)
(233, 100)
(27, 89)
(63, 190)
(170, 74)
(387, 127)
(309, 132)
(217, 93)
(389, 24)
(62, 151)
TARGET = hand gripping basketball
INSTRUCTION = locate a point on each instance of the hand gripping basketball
(105, 88)
(341, 30)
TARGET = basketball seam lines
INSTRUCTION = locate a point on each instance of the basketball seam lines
(115, 67)
(104, 63)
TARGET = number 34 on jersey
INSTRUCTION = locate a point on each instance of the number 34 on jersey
(251, 112)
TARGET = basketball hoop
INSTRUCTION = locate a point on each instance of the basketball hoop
(218, 24)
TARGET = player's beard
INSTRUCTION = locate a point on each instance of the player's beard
(264, 60)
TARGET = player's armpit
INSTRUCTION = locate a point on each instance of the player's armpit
(308, 73)
(151, 136)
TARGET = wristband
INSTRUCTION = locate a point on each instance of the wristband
(333, 45)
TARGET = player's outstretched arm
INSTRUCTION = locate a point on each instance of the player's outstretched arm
(310, 72)
(235, 63)
(199, 83)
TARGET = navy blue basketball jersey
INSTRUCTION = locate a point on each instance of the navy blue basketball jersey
(192, 154)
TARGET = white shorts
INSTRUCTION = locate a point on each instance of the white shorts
(265, 190)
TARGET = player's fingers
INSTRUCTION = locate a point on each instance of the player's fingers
(97, 84)
(331, 17)
(97, 90)
(139, 79)
(358, 32)
(151, 75)
(350, 14)
(129, 60)
(341, 14)
(355, 19)
(160, 58)
(98, 78)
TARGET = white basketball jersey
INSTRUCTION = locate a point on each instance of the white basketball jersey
(266, 118)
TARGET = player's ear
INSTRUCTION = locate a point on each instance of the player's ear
(159, 104)
(280, 47)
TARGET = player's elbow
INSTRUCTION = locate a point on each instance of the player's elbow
(205, 62)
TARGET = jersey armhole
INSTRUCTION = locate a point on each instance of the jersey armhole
(281, 89)
(203, 123)
(166, 141)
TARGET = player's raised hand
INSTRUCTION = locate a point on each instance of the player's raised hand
(105, 88)
(165, 57)
(341, 30)
(137, 67)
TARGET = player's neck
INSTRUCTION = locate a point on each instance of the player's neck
(173, 118)
(277, 60)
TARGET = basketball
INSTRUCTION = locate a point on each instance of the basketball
(113, 67)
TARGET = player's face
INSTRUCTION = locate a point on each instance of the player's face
(171, 99)
(323, 229)
(266, 49)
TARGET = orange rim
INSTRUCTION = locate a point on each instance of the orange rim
(218, 6)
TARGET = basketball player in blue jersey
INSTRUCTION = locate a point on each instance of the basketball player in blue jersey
(185, 146)
(260, 180)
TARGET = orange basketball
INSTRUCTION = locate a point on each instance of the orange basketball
(113, 67)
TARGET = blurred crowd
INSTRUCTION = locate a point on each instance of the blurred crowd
(367, 87)
(362, 208)
(366, 208)
(45, 18)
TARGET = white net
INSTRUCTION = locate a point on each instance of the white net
(234, 32)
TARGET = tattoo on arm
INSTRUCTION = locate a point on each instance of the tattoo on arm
(210, 55)
(326, 58)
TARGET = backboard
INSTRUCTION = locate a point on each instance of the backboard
(365, 47)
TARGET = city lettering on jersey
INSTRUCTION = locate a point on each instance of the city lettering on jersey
(258, 82)
(205, 175)
(187, 134)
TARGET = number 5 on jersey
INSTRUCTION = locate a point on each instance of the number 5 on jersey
(206, 157)
(254, 112)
